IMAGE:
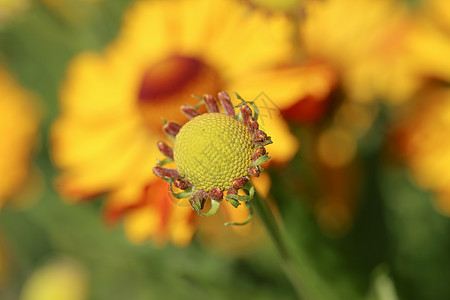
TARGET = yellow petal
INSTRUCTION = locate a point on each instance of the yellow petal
(282, 87)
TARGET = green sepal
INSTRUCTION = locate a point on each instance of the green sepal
(253, 104)
(268, 141)
(234, 197)
(255, 110)
(249, 190)
(172, 138)
(239, 116)
(239, 98)
(214, 208)
(164, 121)
(196, 106)
(200, 103)
(168, 180)
(260, 160)
(164, 161)
(197, 97)
(250, 217)
(232, 201)
(184, 194)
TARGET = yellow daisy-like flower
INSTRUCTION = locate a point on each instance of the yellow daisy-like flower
(111, 103)
(214, 153)
(364, 42)
(380, 48)
(18, 129)
(360, 40)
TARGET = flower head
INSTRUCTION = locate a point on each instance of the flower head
(103, 141)
(215, 152)
(210, 160)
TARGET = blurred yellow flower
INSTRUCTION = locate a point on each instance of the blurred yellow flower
(111, 103)
(18, 129)
(355, 37)
(363, 41)
(380, 48)
(61, 278)
(429, 41)
(423, 140)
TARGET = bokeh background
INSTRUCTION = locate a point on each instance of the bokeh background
(355, 94)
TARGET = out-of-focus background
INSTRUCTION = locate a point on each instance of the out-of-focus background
(356, 97)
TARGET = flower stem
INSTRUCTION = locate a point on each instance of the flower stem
(274, 231)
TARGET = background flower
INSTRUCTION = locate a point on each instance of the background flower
(421, 139)
(18, 130)
(61, 278)
(386, 55)
(381, 54)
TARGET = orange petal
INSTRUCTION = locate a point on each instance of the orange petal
(157, 218)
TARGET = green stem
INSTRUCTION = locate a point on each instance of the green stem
(273, 229)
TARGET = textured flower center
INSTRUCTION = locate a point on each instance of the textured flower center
(171, 82)
(212, 150)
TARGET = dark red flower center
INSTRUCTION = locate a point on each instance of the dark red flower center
(168, 84)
